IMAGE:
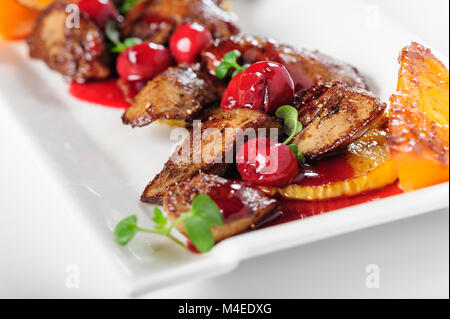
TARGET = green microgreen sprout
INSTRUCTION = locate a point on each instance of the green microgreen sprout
(292, 127)
(198, 222)
(299, 156)
(230, 61)
(113, 35)
(127, 5)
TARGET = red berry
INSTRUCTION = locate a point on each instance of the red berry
(188, 41)
(252, 90)
(143, 61)
(98, 10)
(265, 162)
(264, 85)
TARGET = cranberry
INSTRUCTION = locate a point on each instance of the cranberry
(265, 162)
(188, 41)
(143, 61)
(98, 10)
(251, 90)
(264, 85)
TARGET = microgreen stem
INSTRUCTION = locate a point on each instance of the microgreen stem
(151, 231)
(176, 222)
(163, 233)
(204, 214)
(180, 243)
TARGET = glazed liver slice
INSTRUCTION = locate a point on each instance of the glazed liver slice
(334, 116)
(306, 67)
(241, 205)
(156, 20)
(179, 93)
(182, 92)
(210, 156)
(80, 54)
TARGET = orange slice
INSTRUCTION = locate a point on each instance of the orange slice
(16, 20)
(419, 120)
(372, 166)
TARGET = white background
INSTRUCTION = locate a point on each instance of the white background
(41, 234)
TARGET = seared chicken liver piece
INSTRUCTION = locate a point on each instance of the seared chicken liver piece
(156, 20)
(179, 93)
(249, 204)
(334, 116)
(80, 54)
(306, 67)
(220, 135)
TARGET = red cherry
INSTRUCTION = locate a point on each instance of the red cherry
(143, 61)
(251, 90)
(265, 162)
(264, 85)
(280, 86)
(98, 10)
(188, 41)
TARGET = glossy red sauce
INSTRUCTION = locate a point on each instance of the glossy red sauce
(294, 210)
(154, 20)
(325, 172)
(105, 93)
(229, 199)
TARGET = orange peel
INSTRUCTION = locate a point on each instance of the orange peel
(16, 20)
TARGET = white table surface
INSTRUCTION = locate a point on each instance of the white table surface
(42, 235)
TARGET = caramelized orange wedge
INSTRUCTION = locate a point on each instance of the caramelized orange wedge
(372, 167)
(16, 20)
(419, 120)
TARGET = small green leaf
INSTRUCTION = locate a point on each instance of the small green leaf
(200, 233)
(118, 48)
(231, 57)
(291, 124)
(230, 61)
(126, 229)
(159, 218)
(236, 72)
(198, 222)
(240, 69)
(245, 67)
(206, 208)
(114, 36)
(294, 149)
(299, 128)
(290, 116)
(222, 70)
(129, 42)
(111, 32)
(128, 5)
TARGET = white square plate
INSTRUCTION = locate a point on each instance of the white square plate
(106, 165)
